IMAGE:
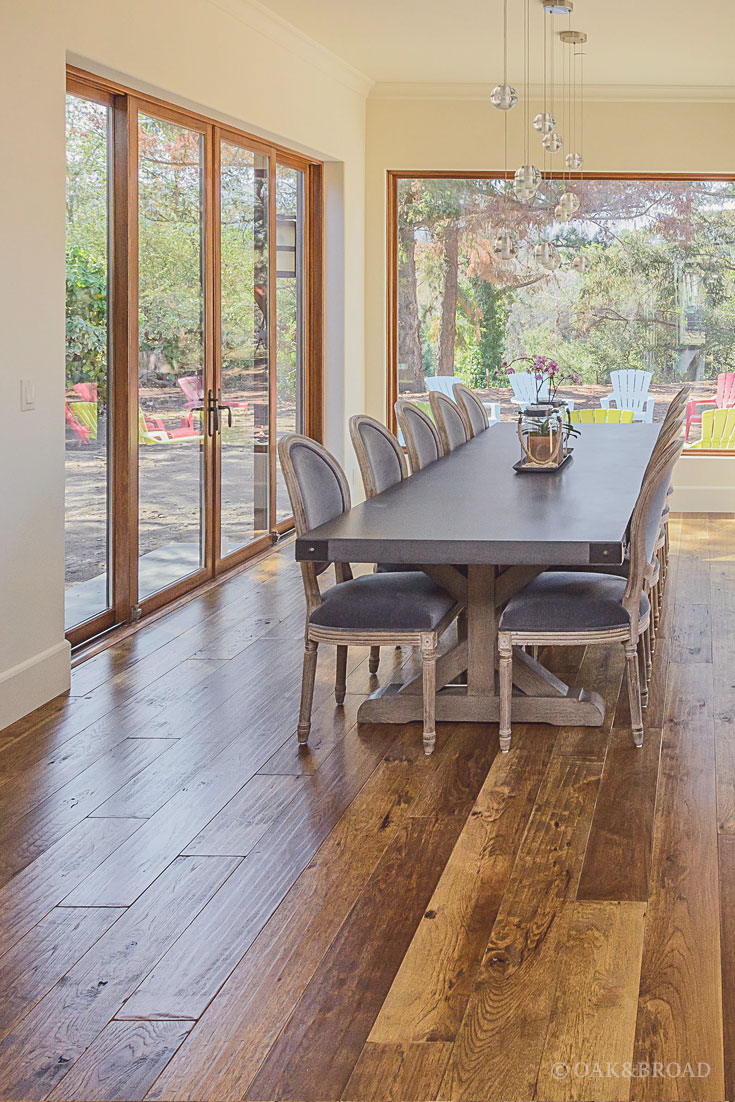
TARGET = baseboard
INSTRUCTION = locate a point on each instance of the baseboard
(33, 682)
(704, 484)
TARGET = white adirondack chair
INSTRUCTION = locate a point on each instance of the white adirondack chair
(444, 384)
(630, 391)
(524, 390)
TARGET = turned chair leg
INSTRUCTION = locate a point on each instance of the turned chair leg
(634, 693)
(428, 656)
(374, 659)
(642, 671)
(307, 690)
(647, 651)
(505, 665)
(340, 684)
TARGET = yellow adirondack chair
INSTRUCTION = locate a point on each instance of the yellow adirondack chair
(718, 431)
(86, 414)
(602, 416)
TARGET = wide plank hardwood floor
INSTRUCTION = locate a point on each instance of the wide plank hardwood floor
(193, 907)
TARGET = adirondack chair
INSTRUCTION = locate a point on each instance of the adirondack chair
(524, 390)
(86, 391)
(725, 399)
(80, 431)
(718, 430)
(630, 391)
(153, 432)
(85, 413)
(444, 384)
(602, 416)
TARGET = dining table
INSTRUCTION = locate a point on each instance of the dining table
(484, 530)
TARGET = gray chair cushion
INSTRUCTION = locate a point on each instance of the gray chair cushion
(408, 601)
(569, 601)
(423, 438)
(475, 413)
(454, 426)
(319, 485)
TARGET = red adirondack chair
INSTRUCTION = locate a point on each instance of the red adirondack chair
(725, 399)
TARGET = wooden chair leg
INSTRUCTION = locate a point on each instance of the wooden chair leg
(634, 693)
(374, 659)
(505, 665)
(340, 684)
(307, 690)
(642, 671)
(428, 657)
(647, 652)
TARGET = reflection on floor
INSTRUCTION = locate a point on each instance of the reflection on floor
(156, 570)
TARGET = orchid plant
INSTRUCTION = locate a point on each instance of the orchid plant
(546, 372)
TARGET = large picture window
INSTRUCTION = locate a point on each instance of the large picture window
(656, 289)
(193, 345)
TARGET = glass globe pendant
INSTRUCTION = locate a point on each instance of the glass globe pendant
(569, 201)
(545, 122)
(581, 264)
(542, 253)
(526, 179)
(553, 261)
(552, 142)
(504, 97)
(562, 214)
(574, 160)
(504, 246)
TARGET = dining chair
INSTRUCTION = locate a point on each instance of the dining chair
(382, 465)
(420, 433)
(451, 420)
(474, 409)
(395, 609)
(571, 608)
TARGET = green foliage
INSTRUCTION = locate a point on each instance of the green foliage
(86, 319)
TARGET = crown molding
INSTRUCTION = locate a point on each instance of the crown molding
(620, 93)
(268, 23)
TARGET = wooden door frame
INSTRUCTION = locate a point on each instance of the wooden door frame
(393, 176)
(123, 484)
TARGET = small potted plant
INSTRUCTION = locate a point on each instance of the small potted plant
(543, 428)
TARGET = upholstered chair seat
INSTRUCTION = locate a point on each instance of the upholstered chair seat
(407, 601)
(570, 601)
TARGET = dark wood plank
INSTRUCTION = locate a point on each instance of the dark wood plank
(593, 1019)
(617, 862)
(679, 1008)
(342, 1000)
(600, 671)
(40, 1050)
(191, 973)
(500, 1041)
(24, 838)
(123, 1062)
(39, 960)
(225, 1049)
(398, 1073)
(430, 992)
(43, 884)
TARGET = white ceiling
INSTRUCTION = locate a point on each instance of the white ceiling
(687, 43)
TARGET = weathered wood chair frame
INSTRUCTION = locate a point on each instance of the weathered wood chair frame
(629, 635)
(405, 410)
(426, 641)
(442, 409)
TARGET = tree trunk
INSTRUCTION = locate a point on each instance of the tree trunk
(409, 326)
(447, 333)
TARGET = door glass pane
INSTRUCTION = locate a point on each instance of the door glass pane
(86, 405)
(289, 315)
(171, 360)
(244, 277)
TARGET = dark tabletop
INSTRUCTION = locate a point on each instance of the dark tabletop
(472, 507)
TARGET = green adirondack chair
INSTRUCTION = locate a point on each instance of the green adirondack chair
(718, 431)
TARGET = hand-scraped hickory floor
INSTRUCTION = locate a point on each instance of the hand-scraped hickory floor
(193, 908)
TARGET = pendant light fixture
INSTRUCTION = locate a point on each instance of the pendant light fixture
(504, 97)
(569, 201)
(527, 178)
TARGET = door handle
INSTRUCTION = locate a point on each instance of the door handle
(212, 414)
(229, 414)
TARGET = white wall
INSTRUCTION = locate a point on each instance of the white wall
(229, 59)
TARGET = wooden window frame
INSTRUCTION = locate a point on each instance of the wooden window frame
(393, 176)
(126, 103)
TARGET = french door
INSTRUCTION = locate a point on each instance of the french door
(204, 249)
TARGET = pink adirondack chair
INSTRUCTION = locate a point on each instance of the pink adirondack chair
(194, 393)
(725, 400)
(86, 391)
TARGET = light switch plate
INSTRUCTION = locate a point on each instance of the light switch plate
(27, 395)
